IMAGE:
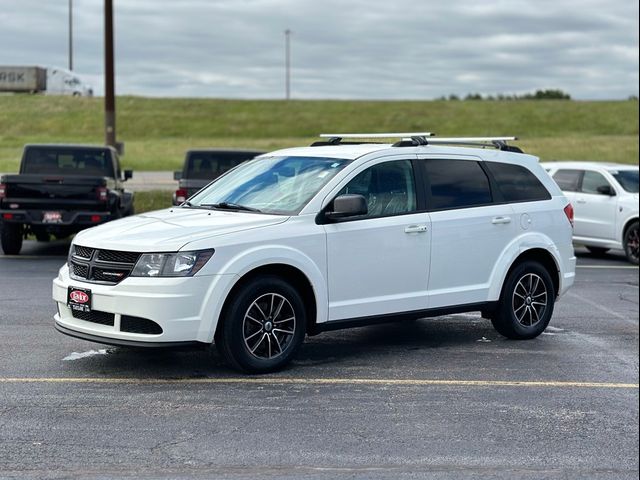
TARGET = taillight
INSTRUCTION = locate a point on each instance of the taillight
(568, 211)
(181, 195)
(3, 190)
(102, 194)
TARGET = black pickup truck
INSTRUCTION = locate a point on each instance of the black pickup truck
(60, 190)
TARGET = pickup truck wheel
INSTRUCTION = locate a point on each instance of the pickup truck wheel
(631, 243)
(526, 302)
(11, 238)
(262, 326)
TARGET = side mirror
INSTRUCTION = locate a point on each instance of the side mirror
(128, 174)
(348, 206)
(606, 190)
(177, 175)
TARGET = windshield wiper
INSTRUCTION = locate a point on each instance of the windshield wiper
(230, 206)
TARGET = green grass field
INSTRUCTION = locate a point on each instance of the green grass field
(157, 132)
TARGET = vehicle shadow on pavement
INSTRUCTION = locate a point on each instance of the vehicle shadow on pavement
(368, 345)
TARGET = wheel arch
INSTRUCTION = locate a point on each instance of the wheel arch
(543, 257)
(291, 274)
(627, 225)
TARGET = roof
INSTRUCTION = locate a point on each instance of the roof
(69, 145)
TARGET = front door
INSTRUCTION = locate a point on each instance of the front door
(379, 263)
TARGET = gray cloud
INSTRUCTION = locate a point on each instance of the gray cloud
(406, 49)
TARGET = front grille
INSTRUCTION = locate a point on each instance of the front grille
(94, 316)
(84, 252)
(116, 256)
(101, 266)
(108, 274)
(139, 325)
(80, 270)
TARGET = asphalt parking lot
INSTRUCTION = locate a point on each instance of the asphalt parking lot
(437, 398)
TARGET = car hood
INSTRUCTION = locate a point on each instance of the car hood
(171, 229)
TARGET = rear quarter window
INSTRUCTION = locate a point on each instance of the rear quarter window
(516, 183)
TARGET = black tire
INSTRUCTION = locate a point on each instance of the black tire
(520, 314)
(631, 243)
(598, 251)
(11, 238)
(254, 322)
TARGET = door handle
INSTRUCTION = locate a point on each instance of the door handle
(500, 220)
(415, 229)
(580, 200)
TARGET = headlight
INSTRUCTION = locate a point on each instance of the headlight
(178, 264)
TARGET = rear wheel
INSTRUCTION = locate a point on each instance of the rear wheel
(11, 238)
(631, 243)
(262, 326)
(526, 302)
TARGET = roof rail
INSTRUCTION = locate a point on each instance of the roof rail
(412, 139)
(496, 142)
(417, 138)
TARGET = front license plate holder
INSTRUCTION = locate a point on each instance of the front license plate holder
(79, 299)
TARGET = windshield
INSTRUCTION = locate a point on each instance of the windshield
(628, 179)
(279, 185)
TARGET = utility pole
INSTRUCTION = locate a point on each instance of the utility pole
(287, 61)
(70, 34)
(109, 96)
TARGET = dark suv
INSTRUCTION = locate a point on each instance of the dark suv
(203, 166)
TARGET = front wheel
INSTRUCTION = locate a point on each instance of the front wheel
(11, 238)
(631, 243)
(526, 302)
(262, 325)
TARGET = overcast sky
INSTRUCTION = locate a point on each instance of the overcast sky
(352, 49)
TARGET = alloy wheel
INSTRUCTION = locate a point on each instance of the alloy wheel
(269, 326)
(530, 298)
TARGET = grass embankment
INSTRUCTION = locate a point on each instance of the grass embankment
(146, 201)
(157, 132)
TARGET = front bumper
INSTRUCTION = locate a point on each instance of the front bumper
(186, 309)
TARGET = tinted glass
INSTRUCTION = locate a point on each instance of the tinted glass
(388, 188)
(457, 183)
(628, 179)
(568, 180)
(591, 181)
(280, 185)
(516, 183)
(61, 161)
(210, 165)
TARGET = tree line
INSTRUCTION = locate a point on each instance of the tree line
(549, 94)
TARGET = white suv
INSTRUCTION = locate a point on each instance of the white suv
(605, 200)
(335, 235)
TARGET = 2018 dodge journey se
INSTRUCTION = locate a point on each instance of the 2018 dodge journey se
(334, 235)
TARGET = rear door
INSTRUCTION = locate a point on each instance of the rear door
(468, 231)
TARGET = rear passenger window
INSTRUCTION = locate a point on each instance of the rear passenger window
(568, 180)
(517, 183)
(457, 184)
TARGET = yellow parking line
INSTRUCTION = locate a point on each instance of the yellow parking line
(324, 381)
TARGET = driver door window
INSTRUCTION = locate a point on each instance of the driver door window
(388, 188)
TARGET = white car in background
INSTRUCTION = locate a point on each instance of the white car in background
(605, 202)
